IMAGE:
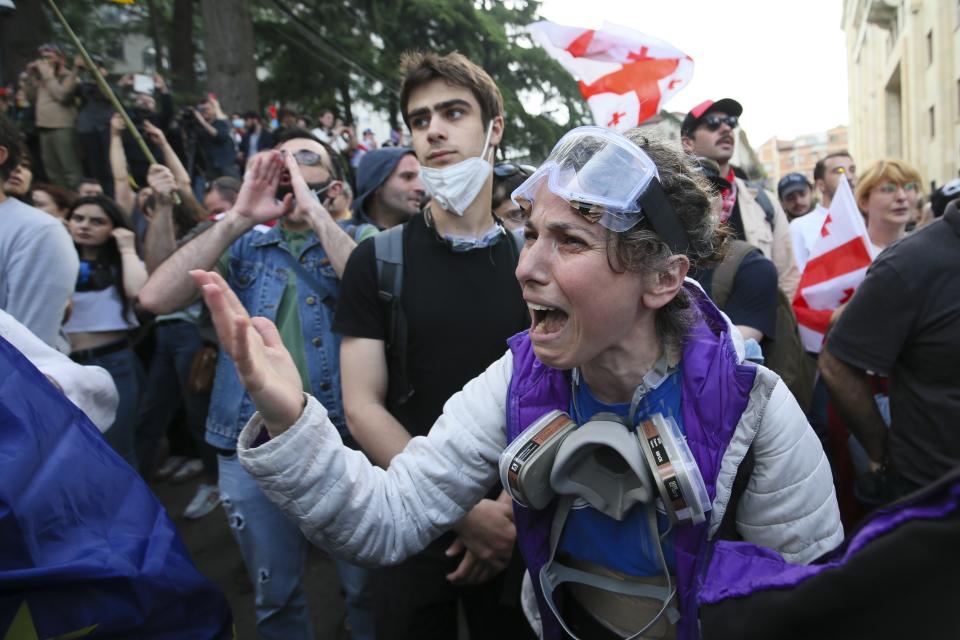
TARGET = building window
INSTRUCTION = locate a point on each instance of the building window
(930, 47)
(933, 129)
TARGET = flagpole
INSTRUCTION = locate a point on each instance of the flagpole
(107, 91)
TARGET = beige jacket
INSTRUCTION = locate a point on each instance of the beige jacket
(773, 242)
(53, 96)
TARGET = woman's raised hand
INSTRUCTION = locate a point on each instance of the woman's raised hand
(265, 367)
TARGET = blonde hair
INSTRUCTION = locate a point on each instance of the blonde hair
(883, 171)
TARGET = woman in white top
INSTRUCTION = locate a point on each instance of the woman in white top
(111, 275)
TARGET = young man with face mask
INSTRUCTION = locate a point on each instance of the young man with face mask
(289, 273)
(461, 302)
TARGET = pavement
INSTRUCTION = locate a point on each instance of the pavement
(217, 556)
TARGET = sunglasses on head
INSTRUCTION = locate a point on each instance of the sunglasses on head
(509, 169)
(713, 121)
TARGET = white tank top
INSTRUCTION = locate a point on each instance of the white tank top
(99, 311)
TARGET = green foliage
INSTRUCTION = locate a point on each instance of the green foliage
(330, 53)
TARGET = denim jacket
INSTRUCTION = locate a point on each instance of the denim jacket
(258, 274)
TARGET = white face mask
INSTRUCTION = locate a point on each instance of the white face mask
(455, 187)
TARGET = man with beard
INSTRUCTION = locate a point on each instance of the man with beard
(390, 190)
(290, 274)
(827, 173)
(255, 137)
(751, 214)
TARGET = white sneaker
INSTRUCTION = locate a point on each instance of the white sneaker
(190, 470)
(169, 467)
(205, 501)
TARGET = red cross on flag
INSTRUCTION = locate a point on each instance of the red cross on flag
(838, 263)
(625, 76)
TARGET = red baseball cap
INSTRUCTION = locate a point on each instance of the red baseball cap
(728, 105)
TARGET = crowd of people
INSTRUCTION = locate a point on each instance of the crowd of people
(344, 339)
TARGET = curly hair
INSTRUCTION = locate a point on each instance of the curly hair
(641, 250)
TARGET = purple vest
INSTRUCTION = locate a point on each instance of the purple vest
(715, 391)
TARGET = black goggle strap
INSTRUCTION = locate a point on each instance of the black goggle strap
(664, 220)
(553, 574)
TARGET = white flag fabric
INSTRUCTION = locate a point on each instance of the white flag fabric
(838, 263)
(625, 76)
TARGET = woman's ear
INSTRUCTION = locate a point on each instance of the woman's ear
(664, 285)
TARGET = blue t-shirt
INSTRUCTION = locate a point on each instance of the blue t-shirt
(625, 546)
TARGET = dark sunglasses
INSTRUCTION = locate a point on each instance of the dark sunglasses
(509, 169)
(713, 122)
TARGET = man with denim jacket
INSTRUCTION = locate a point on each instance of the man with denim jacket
(289, 273)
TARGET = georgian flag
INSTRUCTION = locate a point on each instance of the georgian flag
(838, 263)
(625, 76)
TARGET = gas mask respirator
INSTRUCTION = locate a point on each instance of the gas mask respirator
(612, 468)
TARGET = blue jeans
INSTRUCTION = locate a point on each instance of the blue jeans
(127, 374)
(177, 342)
(275, 553)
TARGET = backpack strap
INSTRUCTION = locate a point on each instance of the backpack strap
(388, 250)
(728, 526)
(764, 201)
(721, 284)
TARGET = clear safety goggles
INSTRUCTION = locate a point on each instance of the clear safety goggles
(598, 172)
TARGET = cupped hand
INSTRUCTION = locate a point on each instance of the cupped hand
(257, 201)
(264, 365)
(306, 201)
(126, 239)
(161, 180)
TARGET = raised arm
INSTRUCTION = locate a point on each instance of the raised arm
(170, 158)
(170, 287)
(123, 192)
(378, 516)
(134, 273)
(161, 240)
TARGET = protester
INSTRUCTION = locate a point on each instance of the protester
(93, 126)
(50, 85)
(53, 199)
(615, 329)
(914, 287)
(752, 214)
(390, 190)
(111, 275)
(341, 206)
(255, 137)
(216, 144)
(827, 174)
(38, 265)
(90, 187)
(18, 182)
(290, 273)
(887, 194)
(796, 195)
(154, 109)
(221, 196)
(507, 176)
(401, 360)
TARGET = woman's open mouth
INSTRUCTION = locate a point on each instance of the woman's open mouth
(546, 320)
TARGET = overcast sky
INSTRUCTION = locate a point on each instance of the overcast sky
(785, 62)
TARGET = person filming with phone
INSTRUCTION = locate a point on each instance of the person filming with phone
(214, 139)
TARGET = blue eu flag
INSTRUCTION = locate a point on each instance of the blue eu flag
(85, 547)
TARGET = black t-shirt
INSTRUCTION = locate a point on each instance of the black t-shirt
(904, 322)
(460, 307)
(753, 297)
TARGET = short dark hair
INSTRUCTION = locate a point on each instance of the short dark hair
(820, 169)
(227, 186)
(61, 196)
(325, 111)
(292, 133)
(504, 187)
(12, 141)
(419, 68)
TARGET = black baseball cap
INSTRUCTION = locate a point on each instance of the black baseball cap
(692, 120)
(791, 183)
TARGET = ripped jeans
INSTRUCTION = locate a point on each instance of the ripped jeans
(275, 553)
